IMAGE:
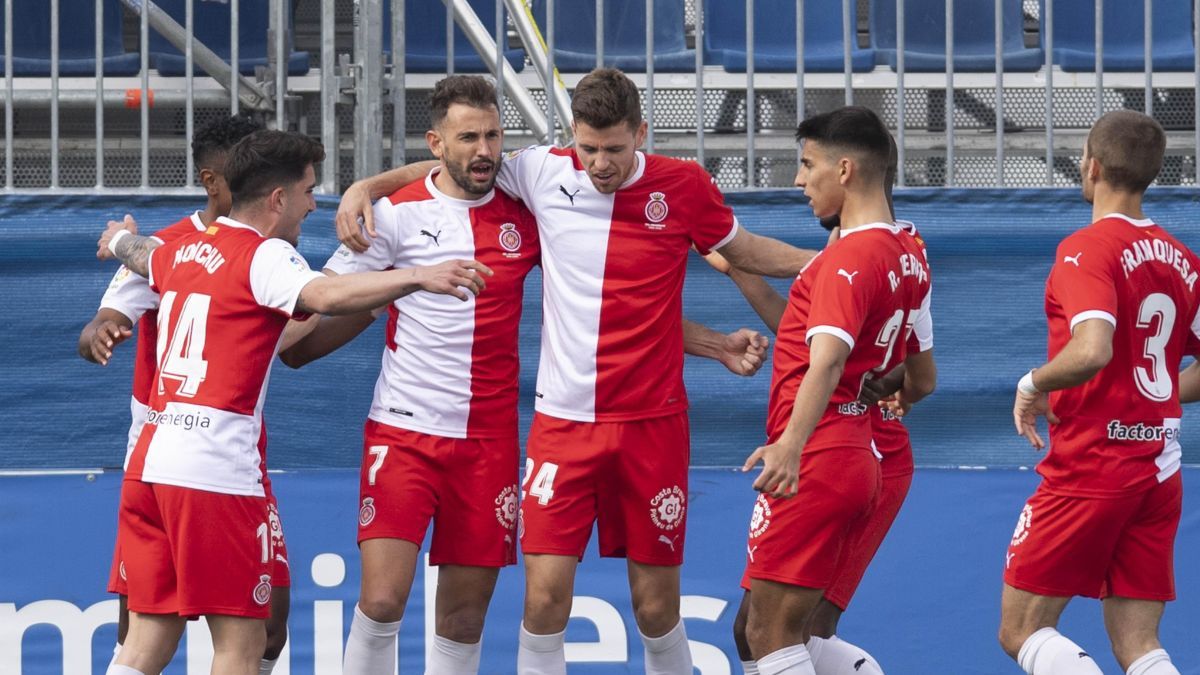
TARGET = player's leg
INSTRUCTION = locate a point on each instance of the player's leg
(281, 597)
(150, 642)
(749, 667)
(388, 567)
(122, 624)
(463, 595)
(238, 644)
(776, 626)
(1133, 629)
(1028, 634)
(654, 591)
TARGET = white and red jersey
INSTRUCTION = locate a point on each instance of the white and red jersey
(868, 289)
(612, 332)
(130, 294)
(227, 293)
(450, 368)
(1119, 431)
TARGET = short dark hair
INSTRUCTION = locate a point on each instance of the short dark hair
(265, 160)
(606, 97)
(216, 137)
(472, 90)
(852, 129)
(1129, 147)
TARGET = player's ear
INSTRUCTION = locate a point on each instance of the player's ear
(846, 170)
(208, 178)
(277, 199)
(434, 140)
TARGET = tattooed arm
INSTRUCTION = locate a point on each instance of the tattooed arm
(131, 249)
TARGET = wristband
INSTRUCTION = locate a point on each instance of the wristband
(1025, 384)
(112, 243)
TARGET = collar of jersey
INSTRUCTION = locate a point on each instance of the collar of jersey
(637, 173)
(1136, 222)
(226, 220)
(196, 222)
(891, 227)
(465, 203)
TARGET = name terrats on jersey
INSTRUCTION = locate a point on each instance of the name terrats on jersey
(1157, 250)
(201, 253)
(910, 266)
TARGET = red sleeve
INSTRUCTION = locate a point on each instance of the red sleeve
(1082, 280)
(713, 223)
(842, 292)
(154, 255)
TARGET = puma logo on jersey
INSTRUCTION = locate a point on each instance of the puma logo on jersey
(669, 542)
(859, 663)
(849, 275)
(1073, 259)
(570, 195)
(1008, 559)
(434, 237)
(750, 552)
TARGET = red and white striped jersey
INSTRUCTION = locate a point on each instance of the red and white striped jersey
(450, 368)
(1119, 431)
(868, 289)
(227, 293)
(612, 333)
(130, 294)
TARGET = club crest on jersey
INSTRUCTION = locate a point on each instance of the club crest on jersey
(506, 507)
(262, 592)
(1023, 524)
(367, 513)
(667, 508)
(760, 519)
(510, 239)
(656, 210)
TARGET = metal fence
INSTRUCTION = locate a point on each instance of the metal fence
(100, 131)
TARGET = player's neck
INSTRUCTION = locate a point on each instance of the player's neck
(209, 214)
(260, 219)
(859, 210)
(1106, 201)
(445, 184)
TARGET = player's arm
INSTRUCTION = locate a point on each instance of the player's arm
(741, 351)
(355, 205)
(1087, 352)
(351, 293)
(1189, 383)
(132, 249)
(329, 335)
(756, 254)
(918, 380)
(765, 300)
(780, 476)
(102, 334)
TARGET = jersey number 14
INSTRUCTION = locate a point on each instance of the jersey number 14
(181, 350)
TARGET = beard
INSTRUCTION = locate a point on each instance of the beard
(461, 174)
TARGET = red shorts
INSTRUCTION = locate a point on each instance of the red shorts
(864, 541)
(281, 576)
(1097, 547)
(468, 487)
(191, 552)
(630, 478)
(804, 540)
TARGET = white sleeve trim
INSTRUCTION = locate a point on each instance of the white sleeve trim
(1093, 314)
(1196, 324)
(277, 275)
(923, 325)
(830, 330)
(729, 237)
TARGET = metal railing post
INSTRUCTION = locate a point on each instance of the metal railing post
(99, 7)
(999, 5)
(8, 97)
(235, 62)
(849, 41)
(542, 65)
(144, 101)
(1148, 64)
(54, 46)
(329, 96)
(189, 26)
(949, 93)
(368, 109)
(751, 104)
(281, 63)
(1048, 32)
(399, 93)
(900, 94)
(699, 82)
(650, 75)
(1099, 58)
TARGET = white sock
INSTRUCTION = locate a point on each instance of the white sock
(792, 660)
(1048, 652)
(116, 651)
(541, 654)
(266, 666)
(835, 656)
(114, 669)
(669, 654)
(1156, 662)
(371, 647)
(453, 658)
(750, 668)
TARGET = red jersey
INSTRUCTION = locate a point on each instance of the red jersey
(227, 293)
(1119, 431)
(868, 289)
(612, 334)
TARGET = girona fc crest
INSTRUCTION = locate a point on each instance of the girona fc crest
(262, 592)
(667, 508)
(1023, 525)
(760, 520)
(506, 507)
(656, 208)
(510, 239)
(367, 513)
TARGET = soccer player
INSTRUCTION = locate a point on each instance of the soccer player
(194, 527)
(609, 443)
(129, 300)
(1121, 308)
(848, 316)
(830, 654)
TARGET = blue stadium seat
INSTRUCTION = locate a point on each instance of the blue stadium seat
(974, 36)
(775, 37)
(624, 35)
(211, 27)
(1124, 25)
(425, 38)
(77, 39)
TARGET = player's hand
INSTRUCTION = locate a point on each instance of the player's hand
(354, 217)
(743, 351)
(452, 276)
(780, 476)
(872, 392)
(108, 335)
(718, 262)
(1026, 410)
(111, 231)
(897, 404)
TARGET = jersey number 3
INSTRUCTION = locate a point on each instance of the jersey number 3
(181, 347)
(1156, 385)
